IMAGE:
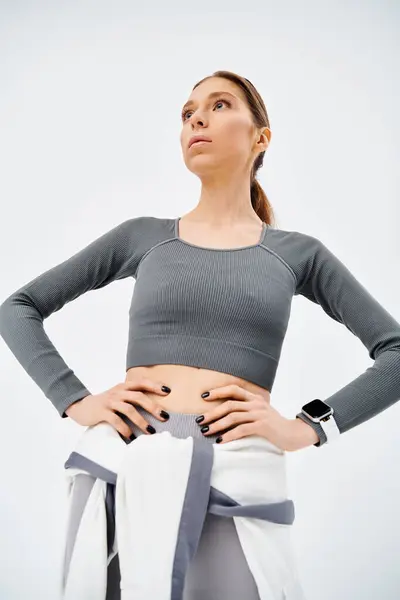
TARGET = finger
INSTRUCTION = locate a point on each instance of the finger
(238, 432)
(124, 409)
(118, 423)
(145, 402)
(223, 409)
(230, 391)
(147, 384)
(231, 420)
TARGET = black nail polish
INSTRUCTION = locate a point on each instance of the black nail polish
(150, 429)
(132, 437)
(205, 394)
(165, 389)
(164, 414)
(218, 440)
(204, 429)
(199, 419)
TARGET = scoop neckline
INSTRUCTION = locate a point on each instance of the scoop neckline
(264, 227)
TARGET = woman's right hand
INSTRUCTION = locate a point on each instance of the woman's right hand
(95, 408)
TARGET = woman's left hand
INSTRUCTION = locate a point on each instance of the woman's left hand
(248, 414)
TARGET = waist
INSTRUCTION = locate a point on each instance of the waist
(183, 425)
(180, 425)
(187, 383)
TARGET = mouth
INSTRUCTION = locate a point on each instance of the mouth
(198, 143)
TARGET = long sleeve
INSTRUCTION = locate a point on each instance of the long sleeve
(326, 281)
(112, 256)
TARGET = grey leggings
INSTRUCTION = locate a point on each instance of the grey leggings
(219, 570)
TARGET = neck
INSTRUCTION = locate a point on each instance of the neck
(224, 203)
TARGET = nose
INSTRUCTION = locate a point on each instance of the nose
(200, 122)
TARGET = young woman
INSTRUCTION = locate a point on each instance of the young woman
(209, 313)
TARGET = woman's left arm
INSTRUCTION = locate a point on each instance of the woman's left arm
(326, 281)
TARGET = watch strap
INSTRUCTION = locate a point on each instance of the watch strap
(330, 428)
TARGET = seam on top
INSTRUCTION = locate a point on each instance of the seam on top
(282, 260)
(152, 248)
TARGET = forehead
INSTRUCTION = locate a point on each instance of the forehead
(216, 90)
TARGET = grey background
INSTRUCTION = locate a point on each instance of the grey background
(90, 104)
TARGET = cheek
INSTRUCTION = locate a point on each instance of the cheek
(235, 133)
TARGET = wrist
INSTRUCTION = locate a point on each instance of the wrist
(69, 411)
(305, 434)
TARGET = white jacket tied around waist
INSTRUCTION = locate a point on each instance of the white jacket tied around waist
(163, 487)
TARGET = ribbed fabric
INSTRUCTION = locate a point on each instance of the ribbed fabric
(221, 309)
(180, 425)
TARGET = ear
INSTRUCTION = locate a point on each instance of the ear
(267, 133)
(264, 138)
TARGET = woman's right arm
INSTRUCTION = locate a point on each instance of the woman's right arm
(114, 255)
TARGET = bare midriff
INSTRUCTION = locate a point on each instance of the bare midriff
(187, 384)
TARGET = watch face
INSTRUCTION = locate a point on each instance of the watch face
(317, 409)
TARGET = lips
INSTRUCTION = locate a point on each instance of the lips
(198, 138)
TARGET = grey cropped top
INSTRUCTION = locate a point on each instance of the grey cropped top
(221, 309)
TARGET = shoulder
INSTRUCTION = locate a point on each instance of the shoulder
(137, 222)
(139, 234)
(145, 225)
(297, 248)
(307, 255)
(291, 240)
(148, 221)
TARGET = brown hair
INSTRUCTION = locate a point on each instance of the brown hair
(259, 200)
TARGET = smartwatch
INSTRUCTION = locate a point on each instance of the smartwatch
(320, 412)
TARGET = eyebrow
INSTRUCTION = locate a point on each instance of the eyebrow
(212, 95)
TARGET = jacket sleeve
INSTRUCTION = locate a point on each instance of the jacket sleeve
(104, 260)
(326, 281)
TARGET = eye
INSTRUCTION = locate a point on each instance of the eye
(185, 112)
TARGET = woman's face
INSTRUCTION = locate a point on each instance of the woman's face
(226, 120)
